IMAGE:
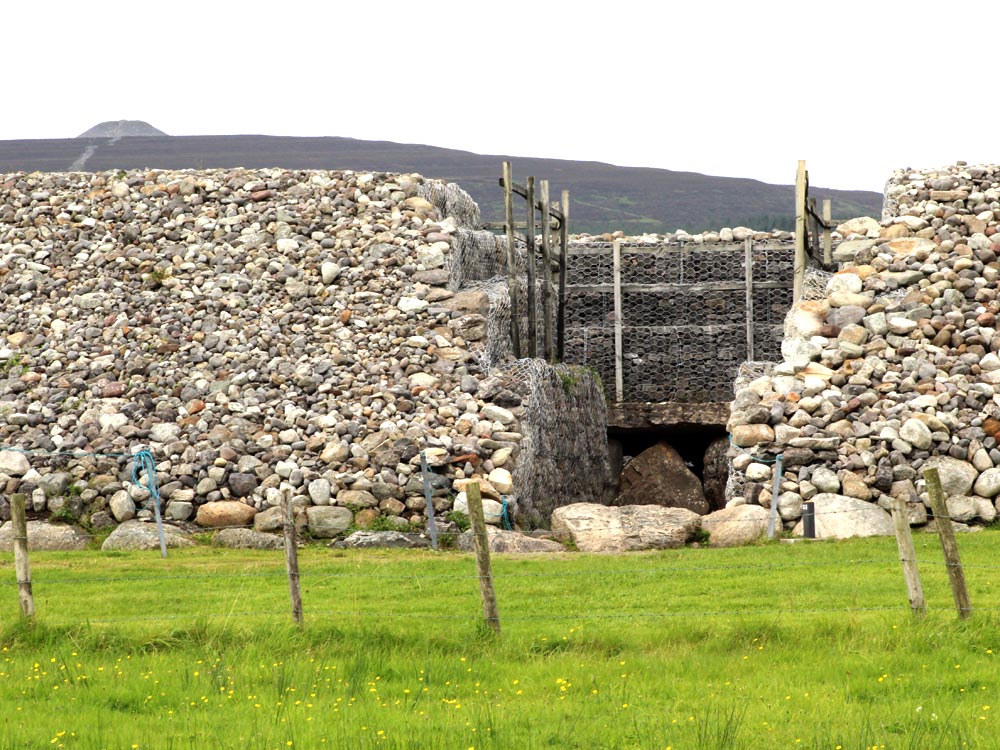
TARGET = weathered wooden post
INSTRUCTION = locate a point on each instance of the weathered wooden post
(481, 543)
(827, 238)
(512, 279)
(908, 557)
(546, 272)
(946, 533)
(22, 565)
(532, 313)
(563, 270)
(616, 250)
(292, 559)
(801, 232)
(748, 280)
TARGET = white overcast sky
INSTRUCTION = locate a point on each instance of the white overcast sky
(740, 89)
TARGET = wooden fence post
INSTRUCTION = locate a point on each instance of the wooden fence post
(546, 272)
(619, 343)
(532, 312)
(942, 520)
(481, 544)
(748, 278)
(22, 564)
(292, 559)
(908, 557)
(801, 240)
(512, 280)
(827, 238)
(563, 270)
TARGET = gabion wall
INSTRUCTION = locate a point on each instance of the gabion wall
(679, 344)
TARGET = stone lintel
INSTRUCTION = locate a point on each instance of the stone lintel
(645, 416)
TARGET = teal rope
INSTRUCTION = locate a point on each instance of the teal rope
(145, 464)
(774, 460)
(505, 516)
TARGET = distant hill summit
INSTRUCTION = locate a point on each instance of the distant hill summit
(121, 129)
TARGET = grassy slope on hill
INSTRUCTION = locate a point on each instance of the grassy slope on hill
(603, 197)
(773, 646)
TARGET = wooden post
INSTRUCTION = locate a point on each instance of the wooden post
(908, 557)
(481, 543)
(292, 559)
(799, 272)
(22, 565)
(512, 279)
(772, 519)
(546, 272)
(748, 277)
(947, 534)
(827, 239)
(563, 270)
(532, 322)
(425, 475)
(619, 344)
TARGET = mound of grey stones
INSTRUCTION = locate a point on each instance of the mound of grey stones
(262, 331)
(893, 369)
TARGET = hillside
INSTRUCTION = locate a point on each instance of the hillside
(604, 197)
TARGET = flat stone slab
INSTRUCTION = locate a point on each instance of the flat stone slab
(46, 536)
(383, 540)
(510, 542)
(601, 528)
(247, 539)
(141, 535)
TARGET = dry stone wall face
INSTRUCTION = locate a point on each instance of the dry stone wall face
(894, 368)
(260, 330)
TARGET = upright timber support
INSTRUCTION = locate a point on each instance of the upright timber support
(532, 310)
(748, 280)
(619, 342)
(553, 282)
(801, 230)
(513, 282)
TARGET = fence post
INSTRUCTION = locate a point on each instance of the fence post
(546, 272)
(532, 312)
(512, 280)
(827, 238)
(292, 559)
(563, 270)
(481, 544)
(429, 500)
(801, 240)
(772, 521)
(22, 564)
(956, 575)
(619, 344)
(908, 557)
(748, 276)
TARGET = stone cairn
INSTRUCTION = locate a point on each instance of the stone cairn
(891, 369)
(262, 331)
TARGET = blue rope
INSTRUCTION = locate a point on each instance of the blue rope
(774, 460)
(144, 463)
(505, 516)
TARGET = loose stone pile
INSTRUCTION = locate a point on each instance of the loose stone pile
(261, 331)
(893, 369)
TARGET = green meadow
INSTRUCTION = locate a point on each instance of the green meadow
(807, 645)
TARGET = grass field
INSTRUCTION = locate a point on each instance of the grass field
(777, 646)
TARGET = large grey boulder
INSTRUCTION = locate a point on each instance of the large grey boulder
(736, 526)
(247, 539)
(383, 539)
(957, 477)
(841, 517)
(137, 534)
(510, 542)
(600, 528)
(659, 476)
(43, 535)
(328, 521)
